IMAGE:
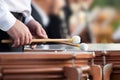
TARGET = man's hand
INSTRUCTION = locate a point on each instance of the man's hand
(36, 30)
(20, 34)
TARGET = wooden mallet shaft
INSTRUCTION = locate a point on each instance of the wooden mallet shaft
(61, 41)
(74, 39)
(42, 40)
(70, 44)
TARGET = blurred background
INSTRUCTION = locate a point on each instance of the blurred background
(96, 21)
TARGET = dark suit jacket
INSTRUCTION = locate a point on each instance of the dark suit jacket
(36, 15)
(54, 27)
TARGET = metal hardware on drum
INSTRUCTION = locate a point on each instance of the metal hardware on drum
(92, 61)
(73, 60)
(104, 57)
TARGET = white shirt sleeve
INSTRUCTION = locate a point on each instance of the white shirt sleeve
(7, 20)
(28, 18)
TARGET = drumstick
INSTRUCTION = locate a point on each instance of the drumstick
(74, 39)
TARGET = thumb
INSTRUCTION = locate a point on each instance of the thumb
(39, 33)
(44, 34)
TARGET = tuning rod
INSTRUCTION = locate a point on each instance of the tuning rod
(74, 39)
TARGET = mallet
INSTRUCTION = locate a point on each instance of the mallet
(82, 46)
(74, 40)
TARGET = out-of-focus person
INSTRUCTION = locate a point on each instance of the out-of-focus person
(116, 27)
(40, 11)
(49, 14)
(116, 35)
(78, 21)
(101, 27)
(57, 27)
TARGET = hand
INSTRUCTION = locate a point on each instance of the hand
(36, 30)
(20, 34)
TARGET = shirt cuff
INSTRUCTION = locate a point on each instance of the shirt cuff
(28, 19)
(7, 21)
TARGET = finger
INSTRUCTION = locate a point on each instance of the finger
(16, 43)
(22, 39)
(33, 46)
(30, 38)
(26, 39)
(44, 33)
(39, 33)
